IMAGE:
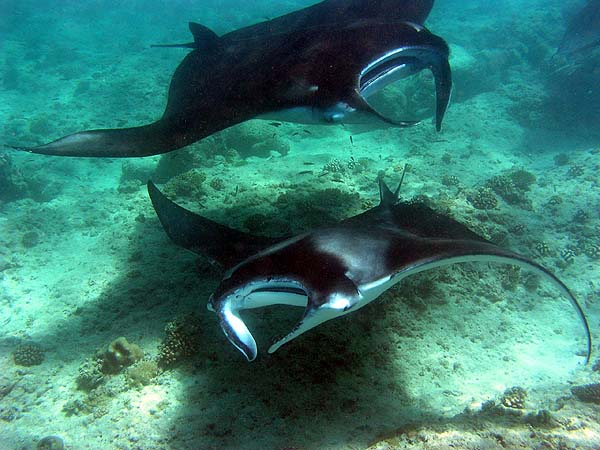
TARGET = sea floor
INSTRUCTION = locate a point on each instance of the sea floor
(473, 356)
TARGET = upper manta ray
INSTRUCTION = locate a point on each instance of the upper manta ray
(333, 270)
(318, 64)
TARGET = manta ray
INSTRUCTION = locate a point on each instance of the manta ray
(583, 30)
(334, 270)
(319, 64)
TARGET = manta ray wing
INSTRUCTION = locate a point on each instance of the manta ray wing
(200, 235)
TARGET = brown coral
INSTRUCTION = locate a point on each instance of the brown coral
(514, 397)
(589, 393)
(483, 198)
(28, 355)
(142, 373)
(120, 354)
(187, 184)
(182, 340)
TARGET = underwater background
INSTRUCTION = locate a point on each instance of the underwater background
(105, 341)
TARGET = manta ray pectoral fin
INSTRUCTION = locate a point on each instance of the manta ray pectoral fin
(198, 234)
(448, 252)
(531, 265)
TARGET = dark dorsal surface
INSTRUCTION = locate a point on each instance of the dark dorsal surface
(335, 13)
(583, 31)
(200, 235)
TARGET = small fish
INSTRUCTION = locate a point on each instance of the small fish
(305, 172)
(351, 140)
(275, 124)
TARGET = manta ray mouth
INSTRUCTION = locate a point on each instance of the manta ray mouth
(404, 62)
(386, 71)
(254, 295)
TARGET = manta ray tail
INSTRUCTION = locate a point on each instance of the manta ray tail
(153, 139)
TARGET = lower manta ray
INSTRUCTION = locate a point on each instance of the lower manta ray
(333, 270)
